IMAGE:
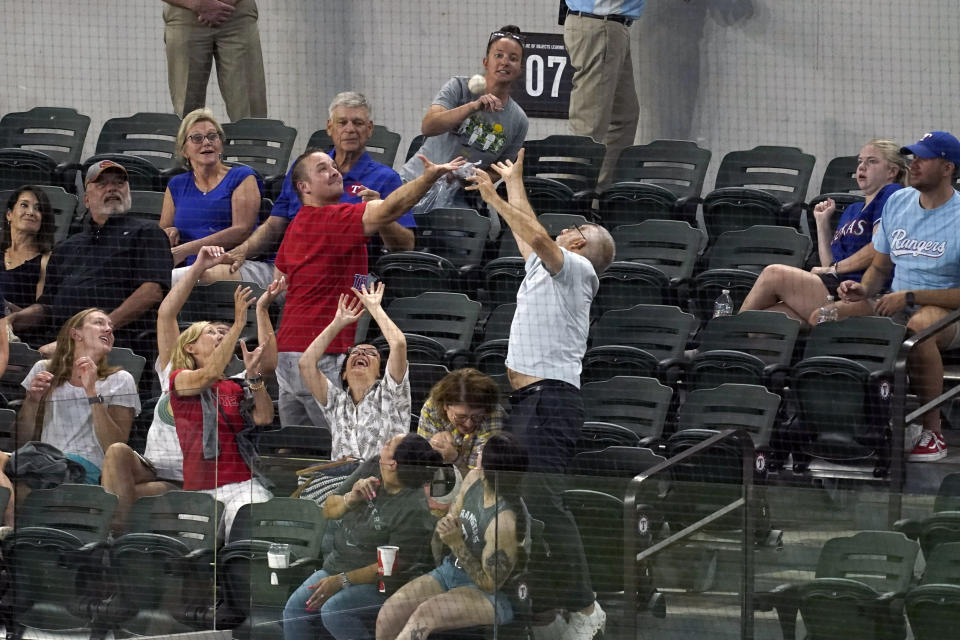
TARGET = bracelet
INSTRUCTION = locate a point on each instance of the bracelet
(260, 385)
(97, 399)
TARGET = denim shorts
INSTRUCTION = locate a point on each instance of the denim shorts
(450, 576)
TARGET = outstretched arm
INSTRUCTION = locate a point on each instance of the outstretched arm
(266, 337)
(348, 311)
(397, 360)
(381, 212)
(168, 330)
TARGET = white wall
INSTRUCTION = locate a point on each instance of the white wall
(823, 75)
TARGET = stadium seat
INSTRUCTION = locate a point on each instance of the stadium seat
(448, 318)
(501, 280)
(661, 330)
(146, 204)
(661, 180)
(573, 161)
(422, 378)
(414, 146)
(382, 144)
(754, 248)
(671, 246)
(164, 565)
(251, 590)
(57, 558)
(857, 593)
(21, 360)
(933, 607)
(262, 144)
(943, 525)
(214, 303)
(8, 433)
(638, 404)
(407, 274)
(458, 235)
(763, 185)
(497, 324)
(152, 136)
(842, 388)
(57, 133)
(628, 284)
(127, 360)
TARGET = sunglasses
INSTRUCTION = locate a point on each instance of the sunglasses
(496, 35)
(198, 138)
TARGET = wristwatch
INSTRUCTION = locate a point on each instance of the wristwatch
(97, 399)
(910, 299)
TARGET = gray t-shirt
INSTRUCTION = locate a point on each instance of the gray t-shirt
(548, 336)
(487, 136)
(402, 519)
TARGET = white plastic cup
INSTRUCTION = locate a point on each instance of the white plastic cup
(278, 556)
(386, 559)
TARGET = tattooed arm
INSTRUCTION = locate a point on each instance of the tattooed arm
(499, 551)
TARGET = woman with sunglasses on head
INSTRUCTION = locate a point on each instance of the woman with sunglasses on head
(369, 410)
(460, 415)
(212, 203)
(487, 127)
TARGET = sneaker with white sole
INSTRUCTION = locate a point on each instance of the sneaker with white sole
(586, 627)
(911, 436)
(555, 629)
(930, 448)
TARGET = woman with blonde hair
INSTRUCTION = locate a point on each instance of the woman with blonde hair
(846, 252)
(75, 400)
(460, 415)
(212, 203)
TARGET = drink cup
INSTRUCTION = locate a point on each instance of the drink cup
(278, 556)
(386, 559)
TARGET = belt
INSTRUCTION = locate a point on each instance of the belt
(624, 20)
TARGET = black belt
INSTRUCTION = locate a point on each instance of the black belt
(624, 20)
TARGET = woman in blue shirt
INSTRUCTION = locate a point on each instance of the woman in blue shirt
(845, 252)
(211, 204)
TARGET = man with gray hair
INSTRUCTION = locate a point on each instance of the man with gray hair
(364, 179)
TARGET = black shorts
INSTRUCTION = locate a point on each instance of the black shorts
(832, 282)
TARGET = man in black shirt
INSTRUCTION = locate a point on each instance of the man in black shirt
(117, 263)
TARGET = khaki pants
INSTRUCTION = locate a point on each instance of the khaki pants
(603, 103)
(234, 45)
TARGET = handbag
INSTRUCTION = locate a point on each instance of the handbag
(320, 480)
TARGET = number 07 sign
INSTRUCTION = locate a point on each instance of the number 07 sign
(546, 77)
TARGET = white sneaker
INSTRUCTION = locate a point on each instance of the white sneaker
(583, 627)
(552, 631)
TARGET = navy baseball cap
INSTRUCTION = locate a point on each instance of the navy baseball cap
(936, 144)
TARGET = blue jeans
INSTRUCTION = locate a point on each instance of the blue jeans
(349, 615)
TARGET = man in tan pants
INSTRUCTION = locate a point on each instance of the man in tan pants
(198, 32)
(603, 103)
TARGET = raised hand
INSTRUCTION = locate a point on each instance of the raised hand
(86, 370)
(369, 194)
(349, 310)
(251, 359)
(488, 102)
(39, 385)
(370, 297)
(210, 256)
(242, 299)
(448, 529)
(510, 169)
(481, 182)
(275, 289)
(435, 171)
(824, 210)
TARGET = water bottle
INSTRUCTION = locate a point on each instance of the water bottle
(723, 306)
(828, 312)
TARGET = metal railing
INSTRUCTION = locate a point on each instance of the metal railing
(631, 521)
(900, 419)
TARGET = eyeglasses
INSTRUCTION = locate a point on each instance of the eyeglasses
(577, 227)
(496, 35)
(198, 138)
(365, 351)
(472, 418)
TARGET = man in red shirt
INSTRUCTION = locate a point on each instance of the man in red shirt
(322, 250)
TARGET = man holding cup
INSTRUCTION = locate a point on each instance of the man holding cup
(382, 504)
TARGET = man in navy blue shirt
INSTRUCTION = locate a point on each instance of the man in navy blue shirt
(364, 179)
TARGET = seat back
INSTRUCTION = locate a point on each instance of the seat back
(82, 510)
(214, 303)
(731, 406)
(8, 430)
(25, 166)
(872, 341)
(127, 360)
(607, 361)
(496, 326)
(291, 521)
(420, 349)
(572, 160)
(627, 284)
(382, 145)
(783, 172)
(672, 246)
(768, 335)
(260, 143)
(55, 131)
(882, 560)
(296, 441)
(599, 518)
(640, 404)
(152, 136)
(501, 280)
(619, 462)
(146, 204)
(948, 495)
(596, 436)
(191, 517)
(408, 273)
(458, 235)
(758, 246)
(709, 284)
(414, 146)
(660, 330)
(840, 176)
(20, 361)
(677, 165)
(943, 565)
(449, 318)
(422, 378)
(491, 356)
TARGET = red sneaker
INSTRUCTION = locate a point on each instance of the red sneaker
(931, 447)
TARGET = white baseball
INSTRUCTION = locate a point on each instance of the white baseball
(477, 84)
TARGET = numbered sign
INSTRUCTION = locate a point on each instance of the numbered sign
(546, 77)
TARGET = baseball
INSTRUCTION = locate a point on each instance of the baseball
(477, 84)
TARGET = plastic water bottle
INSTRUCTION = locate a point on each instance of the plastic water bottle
(828, 312)
(723, 306)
